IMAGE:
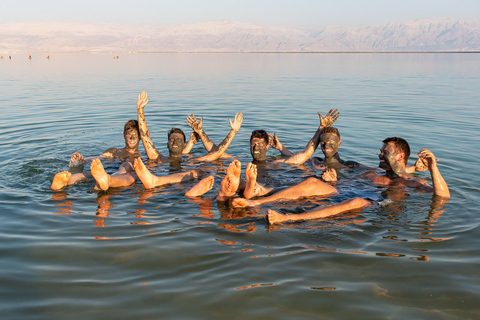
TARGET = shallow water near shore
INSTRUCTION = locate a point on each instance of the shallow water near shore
(135, 253)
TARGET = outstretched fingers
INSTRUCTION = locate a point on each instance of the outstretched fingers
(237, 122)
(142, 100)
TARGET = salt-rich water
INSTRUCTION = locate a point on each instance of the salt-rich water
(145, 254)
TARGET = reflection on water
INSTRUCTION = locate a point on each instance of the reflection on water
(176, 257)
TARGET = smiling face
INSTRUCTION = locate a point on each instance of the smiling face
(259, 148)
(330, 144)
(132, 139)
(176, 143)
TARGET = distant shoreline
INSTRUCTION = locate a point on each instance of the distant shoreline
(224, 52)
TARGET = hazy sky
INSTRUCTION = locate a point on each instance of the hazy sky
(292, 12)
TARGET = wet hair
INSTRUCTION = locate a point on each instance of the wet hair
(400, 145)
(177, 130)
(262, 134)
(131, 125)
(331, 130)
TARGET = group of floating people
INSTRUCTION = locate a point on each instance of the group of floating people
(248, 192)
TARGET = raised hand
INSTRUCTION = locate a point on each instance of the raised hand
(330, 175)
(274, 141)
(329, 119)
(194, 124)
(237, 122)
(428, 159)
(420, 166)
(142, 100)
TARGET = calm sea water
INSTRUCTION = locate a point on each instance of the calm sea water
(136, 254)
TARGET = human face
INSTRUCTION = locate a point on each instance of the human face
(387, 156)
(131, 139)
(176, 143)
(258, 149)
(330, 144)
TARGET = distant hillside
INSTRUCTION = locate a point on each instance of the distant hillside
(443, 34)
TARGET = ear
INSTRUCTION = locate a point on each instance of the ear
(339, 143)
(400, 156)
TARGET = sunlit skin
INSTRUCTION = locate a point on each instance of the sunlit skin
(303, 156)
(149, 180)
(274, 217)
(60, 180)
(124, 177)
(231, 181)
(259, 148)
(77, 160)
(174, 144)
(202, 187)
(252, 188)
(307, 188)
(393, 162)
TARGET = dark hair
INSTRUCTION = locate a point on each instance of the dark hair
(177, 130)
(331, 130)
(401, 145)
(131, 124)
(262, 134)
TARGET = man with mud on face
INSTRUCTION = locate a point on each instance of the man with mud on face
(124, 175)
(393, 159)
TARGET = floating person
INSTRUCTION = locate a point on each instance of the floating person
(1, 57)
(128, 153)
(307, 188)
(274, 217)
(260, 140)
(393, 157)
(48, 57)
(176, 137)
(30, 57)
(330, 143)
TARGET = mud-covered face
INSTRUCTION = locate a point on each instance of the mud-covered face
(330, 144)
(131, 139)
(176, 143)
(258, 149)
(387, 156)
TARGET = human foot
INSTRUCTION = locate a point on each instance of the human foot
(275, 217)
(242, 202)
(231, 181)
(147, 178)
(251, 179)
(233, 171)
(202, 187)
(101, 176)
(60, 180)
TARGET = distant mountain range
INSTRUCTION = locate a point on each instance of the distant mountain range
(442, 34)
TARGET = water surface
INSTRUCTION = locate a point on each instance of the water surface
(136, 253)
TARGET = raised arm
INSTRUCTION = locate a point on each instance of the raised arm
(188, 147)
(150, 149)
(197, 127)
(312, 145)
(222, 147)
(276, 144)
(440, 187)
